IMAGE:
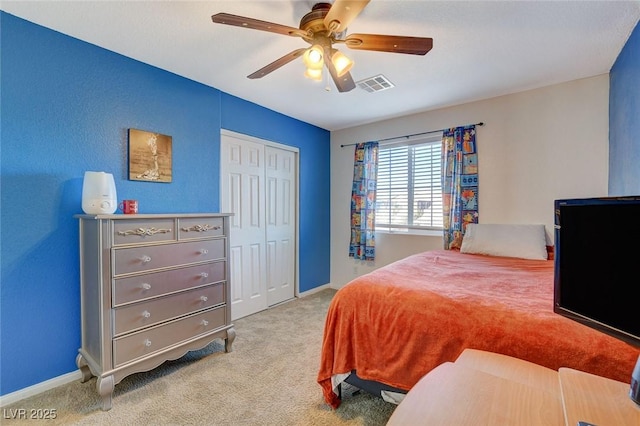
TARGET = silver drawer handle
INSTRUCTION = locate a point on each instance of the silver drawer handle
(204, 275)
(204, 298)
(145, 259)
(146, 286)
(201, 228)
(204, 251)
(147, 342)
(146, 314)
(204, 322)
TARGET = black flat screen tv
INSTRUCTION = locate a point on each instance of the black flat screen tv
(597, 264)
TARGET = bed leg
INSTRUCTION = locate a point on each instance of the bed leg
(340, 391)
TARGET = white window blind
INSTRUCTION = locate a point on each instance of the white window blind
(409, 188)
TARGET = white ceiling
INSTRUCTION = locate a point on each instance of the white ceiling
(481, 49)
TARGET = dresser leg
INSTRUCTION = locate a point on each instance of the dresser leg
(84, 368)
(105, 386)
(231, 335)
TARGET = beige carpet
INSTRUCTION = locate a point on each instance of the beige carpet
(268, 379)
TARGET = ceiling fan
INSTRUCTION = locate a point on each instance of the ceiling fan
(323, 27)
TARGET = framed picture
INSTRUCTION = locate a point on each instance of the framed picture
(149, 156)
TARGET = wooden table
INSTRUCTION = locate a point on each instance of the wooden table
(483, 388)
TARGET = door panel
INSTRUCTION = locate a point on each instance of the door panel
(280, 198)
(242, 179)
(259, 186)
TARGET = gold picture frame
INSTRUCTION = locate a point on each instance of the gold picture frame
(149, 156)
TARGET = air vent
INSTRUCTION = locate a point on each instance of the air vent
(375, 84)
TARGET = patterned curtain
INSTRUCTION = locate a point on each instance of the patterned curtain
(459, 183)
(363, 198)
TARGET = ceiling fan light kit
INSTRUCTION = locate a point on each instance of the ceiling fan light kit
(341, 62)
(323, 27)
(314, 74)
(313, 57)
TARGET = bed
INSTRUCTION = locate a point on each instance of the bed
(392, 326)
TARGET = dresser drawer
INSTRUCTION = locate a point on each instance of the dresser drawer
(139, 259)
(140, 287)
(148, 341)
(200, 227)
(140, 231)
(143, 314)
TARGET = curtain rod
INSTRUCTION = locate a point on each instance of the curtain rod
(415, 134)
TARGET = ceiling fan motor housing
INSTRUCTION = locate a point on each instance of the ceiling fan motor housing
(313, 22)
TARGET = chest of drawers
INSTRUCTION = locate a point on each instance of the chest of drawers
(153, 287)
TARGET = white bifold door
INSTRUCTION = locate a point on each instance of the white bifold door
(258, 184)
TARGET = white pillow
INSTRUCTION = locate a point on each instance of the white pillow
(523, 241)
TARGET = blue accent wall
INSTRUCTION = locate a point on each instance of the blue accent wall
(624, 119)
(66, 106)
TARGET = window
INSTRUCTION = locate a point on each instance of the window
(409, 188)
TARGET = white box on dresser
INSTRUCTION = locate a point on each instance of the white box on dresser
(153, 287)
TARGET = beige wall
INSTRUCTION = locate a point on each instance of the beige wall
(535, 147)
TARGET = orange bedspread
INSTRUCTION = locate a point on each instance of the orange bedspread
(397, 323)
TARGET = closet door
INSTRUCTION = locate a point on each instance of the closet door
(281, 230)
(242, 193)
(259, 186)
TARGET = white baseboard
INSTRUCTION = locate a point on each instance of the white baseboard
(314, 290)
(21, 394)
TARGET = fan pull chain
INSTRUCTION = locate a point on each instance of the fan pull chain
(325, 76)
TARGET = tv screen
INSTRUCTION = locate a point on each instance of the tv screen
(597, 264)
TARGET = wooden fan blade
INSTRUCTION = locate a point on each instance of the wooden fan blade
(344, 83)
(256, 24)
(341, 14)
(277, 63)
(389, 43)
